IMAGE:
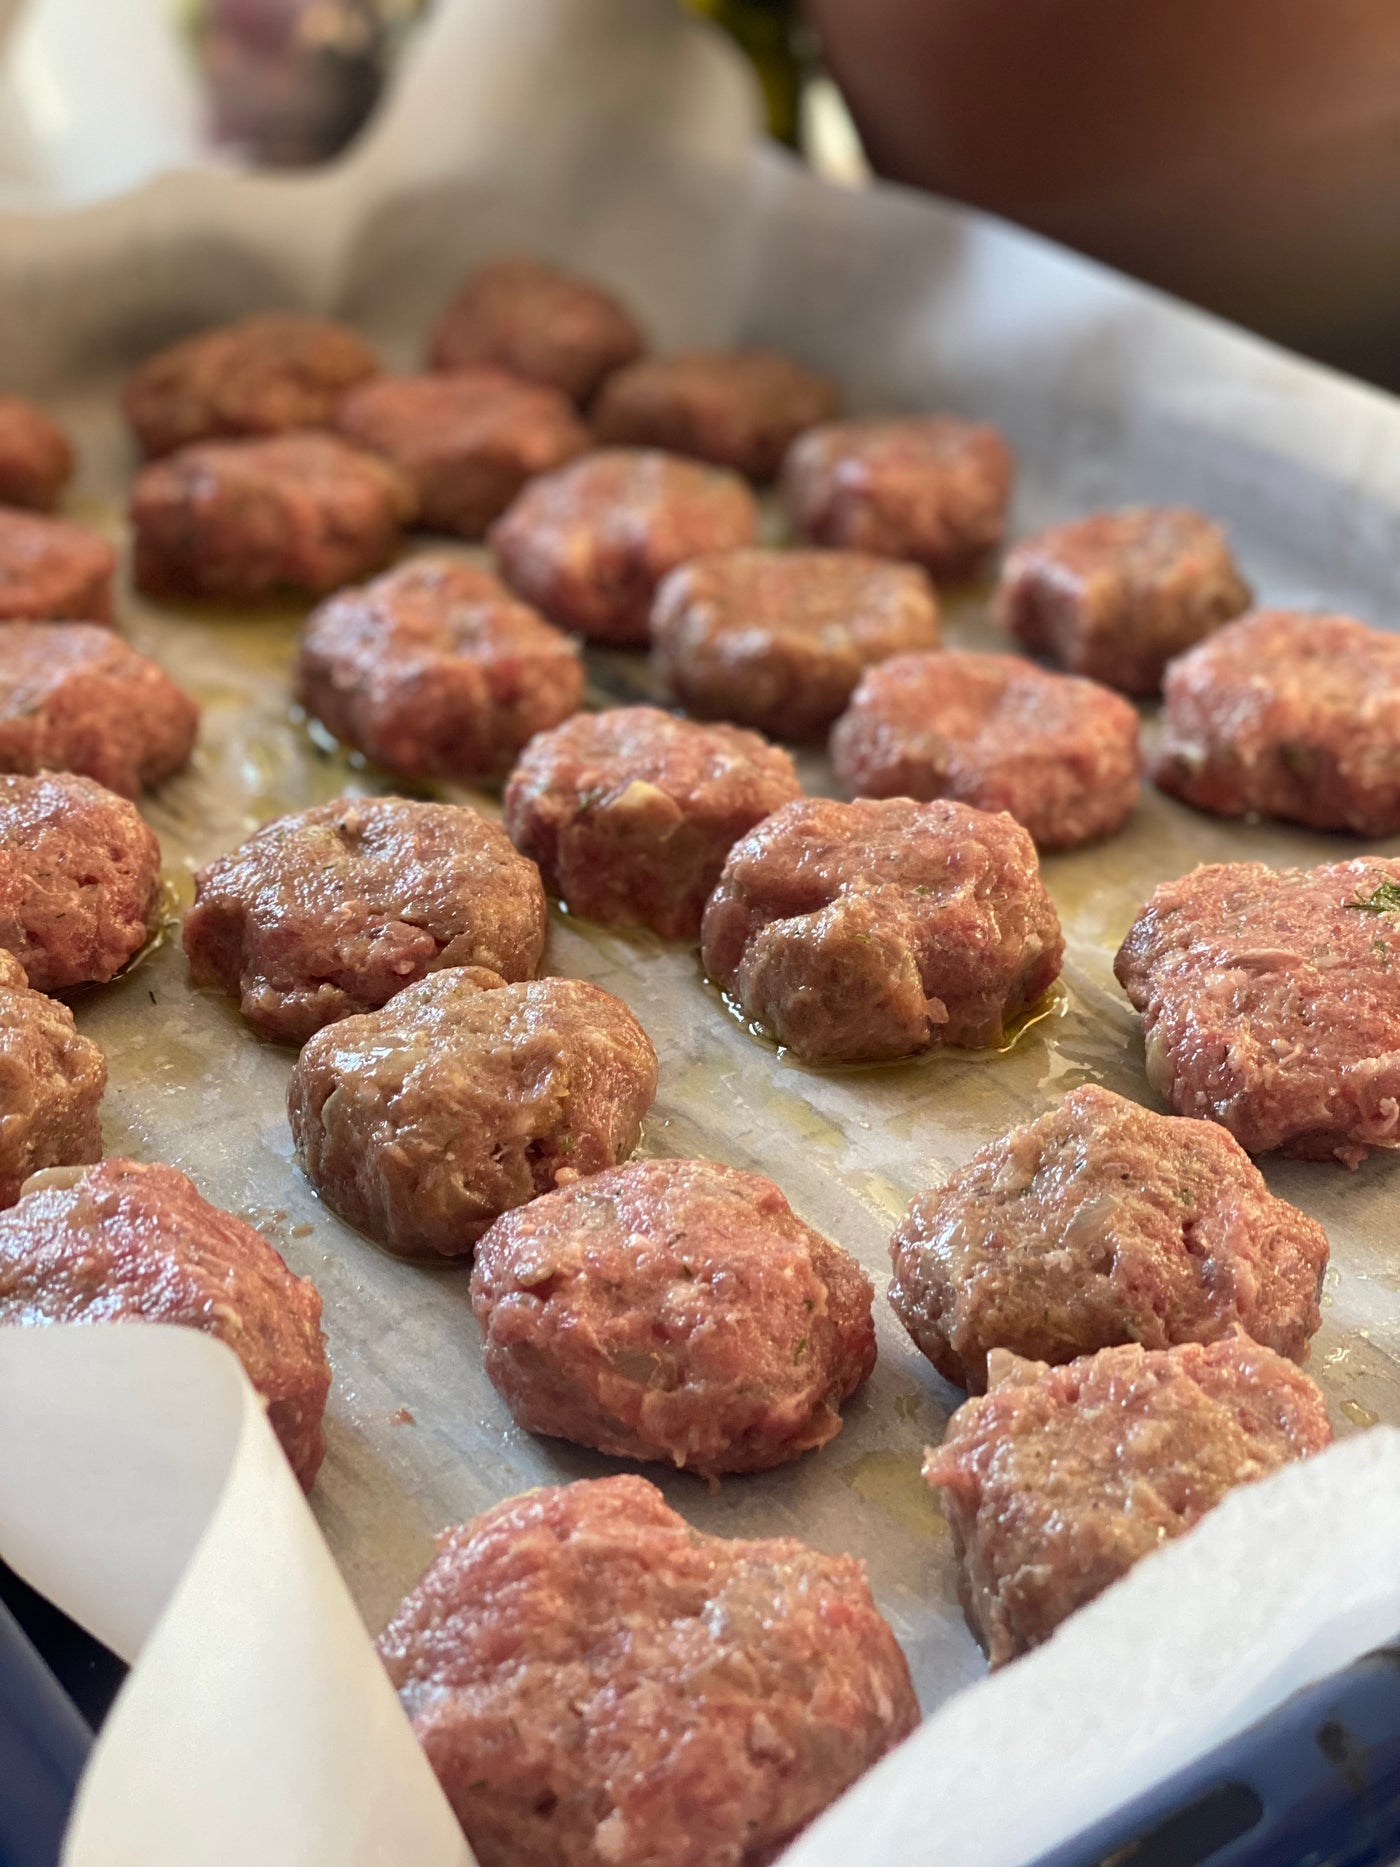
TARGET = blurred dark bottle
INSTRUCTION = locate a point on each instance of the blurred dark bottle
(780, 47)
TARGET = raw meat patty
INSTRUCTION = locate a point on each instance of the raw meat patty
(464, 1097)
(598, 1685)
(468, 442)
(995, 731)
(51, 1082)
(1103, 1223)
(673, 1310)
(51, 571)
(779, 639)
(631, 813)
(74, 697)
(855, 932)
(122, 1242)
(261, 375)
(741, 409)
(1060, 1479)
(1117, 594)
(36, 461)
(437, 671)
(245, 519)
(930, 488)
(1288, 715)
(589, 544)
(79, 879)
(539, 323)
(333, 910)
(1270, 1002)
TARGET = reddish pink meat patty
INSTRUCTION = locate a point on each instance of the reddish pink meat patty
(598, 1685)
(246, 519)
(36, 461)
(779, 639)
(930, 488)
(51, 571)
(122, 1242)
(539, 323)
(79, 879)
(51, 1083)
(1116, 595)
(437, 671)
(1270, 1002)
(589, 544)
(995, 731)
(631, 813)
(1099, 1224)
(262, 375)
(464, 1097)
(673, 1310)
(1060, 1479)
(856, 932)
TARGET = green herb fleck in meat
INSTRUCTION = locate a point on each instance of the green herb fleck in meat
(801, 1348)
(1384, 899)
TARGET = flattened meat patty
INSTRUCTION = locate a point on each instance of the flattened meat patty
(245, 519)
(51, 571)
(75, 698)
(995, 731)
(930, 488)
(464, 1097)
(673, 1310)
(598, 1685)
(779, 639)
(1103, 1223)
(333, 910)
(1270, 1002)
(630, 813)
(51, 1083)
(589, 544)
(1288, 715)
(79, 879)
(122, 1242)
(1060, 1479)
(36, 461)
(856, 932)
(437, 671)
(1117, 594)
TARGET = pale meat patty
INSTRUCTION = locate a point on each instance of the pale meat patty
(464, 1097)
(1103, 1223)
(51, 571)
(1060, 1479)
(673, 1310)
(856, 932)
(333, 910)
(596, 1684)
(36, 459)
(126, 1242)
(1270, 1002)
(51, 1084)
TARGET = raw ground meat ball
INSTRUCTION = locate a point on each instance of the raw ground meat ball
(596, 1684)
(741, 409)
(335, 909)
(1117, 594)
(36, 462)
(630, 813)
(51, 571)
(123, 1242)
(589, 544)
(437, 671)
(240, 520)
(856, 932)
(76, 698)
(79, 879)
(1060, 1479)
(673, 1310)
(464, 1097)
(1288, 715)
(1103, 1223)
(995, 731)
(537, 322)
(1270, 1002)
(779, 639)
(261, 375)
(468, 442)
(51, 1083)
(930, 488)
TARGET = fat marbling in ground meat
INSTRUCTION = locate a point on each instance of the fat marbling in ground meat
(36, 460)
(51, 571)
(51, 1084)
